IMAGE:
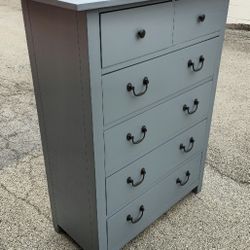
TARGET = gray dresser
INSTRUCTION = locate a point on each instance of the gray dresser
(125, 92)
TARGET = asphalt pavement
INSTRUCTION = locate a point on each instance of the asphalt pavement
(216, 218)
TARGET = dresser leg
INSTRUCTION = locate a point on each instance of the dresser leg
(58, 229)
(197, 189)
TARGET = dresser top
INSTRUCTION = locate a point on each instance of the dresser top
(81, 5)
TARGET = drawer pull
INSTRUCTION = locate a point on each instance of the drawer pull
(145, 83)
(131, 181)
(132, 220)
(183, 183)
(141, 33)
(131, 138)
(190, 146)
(195, 107)
(201, 18)
(201, 64)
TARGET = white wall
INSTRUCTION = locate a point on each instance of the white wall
(239, 11)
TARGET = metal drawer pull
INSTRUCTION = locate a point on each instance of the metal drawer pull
(201, 63)
(132, 220)
(201, 18)
(195, 107)
(131, 181)
(183, 183)
(190, 146)
(141, 33)
(131, 138)
(145, 83)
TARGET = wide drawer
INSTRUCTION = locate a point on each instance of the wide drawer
(134, 138)
(132, 181)
(195, 18)
(152, 204)
(166, 75)
(134, 32)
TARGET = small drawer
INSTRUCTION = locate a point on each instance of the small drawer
(135, 32)
(195, 18)
(127, 223)
(134, 138)
(132, 181)
(130, 89)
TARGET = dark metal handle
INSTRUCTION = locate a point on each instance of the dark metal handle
(132, 220)
(131, 138)
(145, 83)
(190, 146)
(201, 64)
(141, 33)
(195, 107)
(201, 18)
(183, 183)
(131, 181)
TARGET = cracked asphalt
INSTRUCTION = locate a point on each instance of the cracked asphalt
(217, 218)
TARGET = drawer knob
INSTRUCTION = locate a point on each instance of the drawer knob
(141, 33)
(201, 18)
(131, 138)
(194, 109)
(131, 181)
(183, 183)
(199, 67)
(188, 148)
(145, 83)
(132, 220)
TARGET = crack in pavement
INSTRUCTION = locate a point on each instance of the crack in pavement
(36, 148)
(244, 183)
(25, 201)
(221, 173)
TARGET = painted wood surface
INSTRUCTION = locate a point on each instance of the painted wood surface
(84, 5)
(162, 122)
(157, 164)
(62, 90)
(167, 75)
(119, 39)
(85, 112)
(156, 201)
(213, 12)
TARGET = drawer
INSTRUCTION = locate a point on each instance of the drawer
(195, 18)
(132, 181)
(135, 32)
(166, 75)
(154, 202)
(134, 138)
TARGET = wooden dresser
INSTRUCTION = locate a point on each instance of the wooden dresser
(125, 92)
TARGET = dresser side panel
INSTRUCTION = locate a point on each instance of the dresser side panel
(212, 96)
(62, 88)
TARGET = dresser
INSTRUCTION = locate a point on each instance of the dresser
(124, 92)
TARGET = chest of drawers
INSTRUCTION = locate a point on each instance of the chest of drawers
(124, 92)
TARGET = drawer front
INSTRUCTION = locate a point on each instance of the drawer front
(131, 182)
(135, 32)
(195, 18)
(155, 202)
(134, 138)
(166, 75)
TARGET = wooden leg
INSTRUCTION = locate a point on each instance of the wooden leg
(197, 189)
(58, 229)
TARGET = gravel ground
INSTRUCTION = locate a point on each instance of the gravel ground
(229, 150)
(217, 218)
